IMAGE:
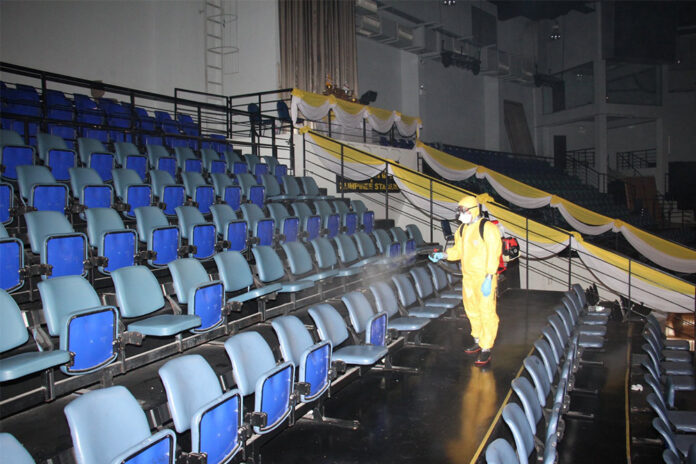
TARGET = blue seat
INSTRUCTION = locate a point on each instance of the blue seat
(383, 241)
(13, 153)
(251, 190)
(325, 257)
(145, 121)
(58, 106)
(55, 154)
(13, 451)
(536, 370)
(521, 432)
(681, 421)
(348, 253)
(409, 299)
(279, 172)
(202, 297)
(197, 231)
(138, 294)
(363, 317)
(255, 371)
(107, 426)
(385, 301)
(367, 219)
(312, 360)
(74, 313)
(53, 238)
(270, 270)
(11, 261)
(310, 223)
(160, 159)
(167, 191)
(88, 188)
(289, 225)
(198, 190)
(500, 452)
(441, 284)
(330, 220)
(13, 333)
(426, 291)
(238, 280)
(414, 232)
(332, 328)
(112, 240)
(186, 160)
(212, 162)
(227, 190)
(94, 155)
(128, 156)
(300, 264)
(6, 203)
(260, 226)
(272, 164)
(39, 189)
(131, 190)
(159, 236)
(197, 404)
(530, 402)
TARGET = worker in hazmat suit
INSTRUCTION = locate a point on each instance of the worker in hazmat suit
(478, 246)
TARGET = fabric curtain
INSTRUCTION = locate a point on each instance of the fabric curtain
(317, 38)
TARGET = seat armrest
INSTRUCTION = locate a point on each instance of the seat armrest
(164, 434)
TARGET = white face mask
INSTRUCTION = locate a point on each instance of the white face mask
(465, 218)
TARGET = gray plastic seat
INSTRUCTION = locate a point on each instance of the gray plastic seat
(654, 325)
(212, 162)
(167, 190)
(439, 277)
(300, 263)
(678, 443)
(131, 189)
(530, 402)
(311, 189)
(198, 190)
(255, 371)
(409, 300)
(348, 252)
(94, 155)
(332, 328)
(426, 292)
(38, 188)
(292, 188)
(202, 297)
(584, 339)
(270, 270)
(107, 425)
(235, 274)
(128, 156)
(273, 191)
(536, 370)
(500, 452)
(521, 432)
(197, 403)
(682, 421)
(325, 257)
(312, 360)
(668, 367)
(13, 333)
(588, 319)
(544, 349)
(138, 294)
(668, 355)
(385, 300)
(155, 153)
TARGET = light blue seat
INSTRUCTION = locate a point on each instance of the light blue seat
(414, 232)
(426, 291)
(546, 352)
(289, 225)
(13, 153)
(154, 230)
(325, 257)
(261, 227)
(223, 216)
(186, 160)
(197, 231)
(112, 240)
(311, 223)
(94, 155)
(383, 241)
(89, 189)
(13, 333)
(680, 443)
(681, 421)
(330, 220)
(367, 250)
(235, 274)
(225, 188)
(311, 360)
(131, 190)
(439, 278)
(255, 371)
(52, 237)
(521, 432)
(572, 301)
(128, 156)
(6, 202)
(270, 270)
(251, 161)
(587, 340)
(409, 300)
(500, 452)
(348, 253)
(292, 188)
(273, 191)
(536, 370)
(668, 355)
(252, 191)
(300, 263)
(530, 402)
(138, 294)
(332, 328)
(39, 189)
(361, 314)
(11, 261)
(311, 189)
(597, 328)
(197, 404)
(385, 301)
(212, 162)
(231, 157)
(408, 245)
(202, 297)
(272, 163)
(108, 426)
(74, 313)
(161, 159)
(198, 190)
(13, 451)
(54, 152)
(167, 190)
(667, 367)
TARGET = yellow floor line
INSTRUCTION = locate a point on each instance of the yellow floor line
(497, 415)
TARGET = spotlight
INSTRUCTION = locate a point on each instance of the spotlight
(555, 31)
(449, 2)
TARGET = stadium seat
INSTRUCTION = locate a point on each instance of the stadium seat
(588, 336)
(14, 334)
(255, 371)
(212, 162)
(426, 292)
(330, 220)
(500, 452)
(251, 190)
(348, 253)
(145, 121)
(54, 240)
(300, 264)
(186, 160)
(75, 314)
(227, 190)
(681, 421)
(292, 188)
(679, 444)
(202, 297)
(273, 191)
(385, 301)
(39, 189)
(159, 236)
(138, 295)
(326, 259)
(363, 317)
(89, 190)
(198, 190)
(521, 432)
(111, 239)
(289, 225)
(409, 300)
(13, 451)
(95, 156)
(128, 156)
(6, 203)
(107, 425)
(160, 159)
(131, 190)
(237, 279)
(13, 153)
(311, 223)
(440, 283)
(311, 189)
(198, 232)
(270, 270)
(261, 227)
(167, 191)
(11, 261)
(197, 404)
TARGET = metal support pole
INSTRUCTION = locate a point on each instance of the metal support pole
(570, 260)
(228, 117)
(364, 131)
(342, 179)
(292, 147)
(431, 211)
(329, 116)
(200, 123)
(527, 252)
(273, 138)
(629, 283)
(304, 155)
(386, 191)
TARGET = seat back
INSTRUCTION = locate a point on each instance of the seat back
(530, 401)
(222, 215)
(667, 435)
(559, 328)
(108, 422)
(385, 299)
(546, 353)
(415, 233)
(89, 188)
(291, 186)
(424, 286)
(347, 252)
(53, 238)
(252, 214)
(439, 276)
(271, 185)
(196, 188)
(11, 262)
(220, 182)
(137, 291)
(55, 153)
(94, 155)
(39, 188)
(13, 332)
(398, 235)
(160, 237)
(330, 324)
(404, 288)
(554, 342)
(268, 264)
(359, 309)
(364, 244)
(383, 240)
(106, 232)
(186, 160)
(299, 261)
(203, 297)
(537, 372)
(324, 253)
(234, 271)
(521, 432)
(310, 187)
(64, 295)
(6, 202)
(500, 452)
(13, 451)
(278, 212)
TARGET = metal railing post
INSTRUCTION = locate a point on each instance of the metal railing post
(329, 117)
(342, 179)
(431, 211)
(629, 283)
(570, 260)
(386, 191)
(526, 238)
(304, 156)
(273, 138)
(292, 148)
(228, 117)
(364, 131)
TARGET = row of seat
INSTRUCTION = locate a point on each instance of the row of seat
(108, 424)
(551, 370)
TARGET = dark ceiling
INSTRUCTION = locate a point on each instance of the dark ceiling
(540, 9)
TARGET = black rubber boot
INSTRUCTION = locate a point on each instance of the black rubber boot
(472, 349)
(483, 358)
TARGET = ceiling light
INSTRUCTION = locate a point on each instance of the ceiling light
(555, 31)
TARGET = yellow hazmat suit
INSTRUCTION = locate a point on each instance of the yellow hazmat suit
(479, 257)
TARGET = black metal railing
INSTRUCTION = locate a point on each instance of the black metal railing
(636, 159)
